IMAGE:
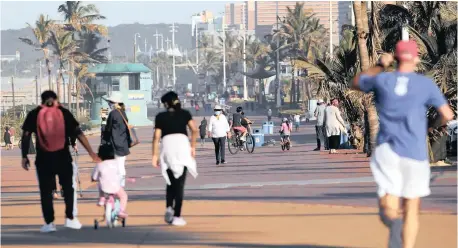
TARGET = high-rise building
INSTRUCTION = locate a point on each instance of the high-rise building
(261, 16)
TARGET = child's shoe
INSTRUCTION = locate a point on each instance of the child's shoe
(101, 201)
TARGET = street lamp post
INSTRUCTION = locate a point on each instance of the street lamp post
(224, 52)
(135, 45)
(14, 97)
(245, 90)
(173, 30)
(278, 62)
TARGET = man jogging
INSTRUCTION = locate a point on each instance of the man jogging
(400, 163)
(54, 126)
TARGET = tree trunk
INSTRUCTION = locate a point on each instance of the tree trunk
(293, 85)
(78, 88)
(69, 90)
(362, 35)
(298, 91)
(58, 84)
(48, 67)
(373, 125)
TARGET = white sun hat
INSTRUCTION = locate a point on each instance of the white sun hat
(217, 107)
(115, 97)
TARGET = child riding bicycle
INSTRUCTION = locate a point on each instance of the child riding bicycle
(285, 130)
(106, 173)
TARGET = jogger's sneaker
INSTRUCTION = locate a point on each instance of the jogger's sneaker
(73, 224)
(178, 221)
(47, 228)
(168, 217)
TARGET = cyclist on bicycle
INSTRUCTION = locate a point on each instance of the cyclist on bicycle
(246, 123)
(237, 124)
(285, 130)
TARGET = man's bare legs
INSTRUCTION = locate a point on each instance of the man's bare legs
(411, 221)
(391, 217)
(402, 224)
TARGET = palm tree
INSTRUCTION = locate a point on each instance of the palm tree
(42, 34)
(294, 32)
(164, 64)
(64, 48)
(80, 17)
(360, 11)
(81, 76)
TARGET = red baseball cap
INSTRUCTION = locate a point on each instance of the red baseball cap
(406, 50)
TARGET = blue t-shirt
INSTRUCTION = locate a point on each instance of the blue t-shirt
(402, 100)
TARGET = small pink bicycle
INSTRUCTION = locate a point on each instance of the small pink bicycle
(112, 208)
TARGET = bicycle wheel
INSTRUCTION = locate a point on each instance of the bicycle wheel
(283, 147)
(249, 144)
(232, 144)
(288, 146)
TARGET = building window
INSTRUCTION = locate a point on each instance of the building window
(115, 83)
(134, 82)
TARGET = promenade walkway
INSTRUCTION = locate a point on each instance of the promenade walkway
(270, 199)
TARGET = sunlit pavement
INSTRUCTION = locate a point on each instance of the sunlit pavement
(261, 196)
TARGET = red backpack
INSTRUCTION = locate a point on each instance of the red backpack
(51, 128)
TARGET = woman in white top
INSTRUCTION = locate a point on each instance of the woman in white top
(334, 125)
(218, 129)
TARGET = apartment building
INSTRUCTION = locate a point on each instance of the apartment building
(261, 15)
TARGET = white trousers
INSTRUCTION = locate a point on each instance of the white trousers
(121, 160)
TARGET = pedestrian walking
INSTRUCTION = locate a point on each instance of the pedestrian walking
(297, 121)
(400, 163)
(54, 126)
(13, 136)
(320, 129)
(218, 129)
(7, 138)
(177, 155)
(269, 115)
(197, 108)
(117, 132)
(335, 125)
(203, 131)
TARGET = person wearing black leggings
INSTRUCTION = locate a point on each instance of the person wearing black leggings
(176, 154)
(175, 192)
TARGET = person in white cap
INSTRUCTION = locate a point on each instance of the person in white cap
(117, 132)
(218, 130)
(320, 128)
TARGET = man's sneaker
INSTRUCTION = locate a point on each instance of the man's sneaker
(217, 162)
(73, 224)
(47, 228)
(317, 149)
(178, 221)
(223, 162)
(168, 217)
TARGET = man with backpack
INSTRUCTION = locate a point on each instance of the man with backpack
(54, 126)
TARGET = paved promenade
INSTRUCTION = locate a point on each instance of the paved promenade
(299, 198)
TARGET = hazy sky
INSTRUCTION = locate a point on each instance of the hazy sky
(14, 14)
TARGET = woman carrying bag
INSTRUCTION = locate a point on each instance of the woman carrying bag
(176, 155)
(116, 138)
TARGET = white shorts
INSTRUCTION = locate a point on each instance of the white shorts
(399, 176)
